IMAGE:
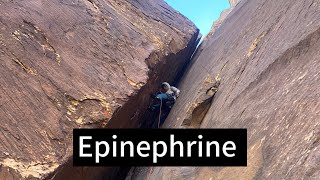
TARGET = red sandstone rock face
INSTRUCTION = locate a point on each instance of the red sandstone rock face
(80, 63)
(266, 54)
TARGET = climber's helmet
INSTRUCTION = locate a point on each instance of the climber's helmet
(165, 86)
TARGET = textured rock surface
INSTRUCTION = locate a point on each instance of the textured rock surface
(80, 63)
(267, 55)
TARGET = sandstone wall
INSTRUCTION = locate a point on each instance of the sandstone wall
(80, 64)
(266, 56)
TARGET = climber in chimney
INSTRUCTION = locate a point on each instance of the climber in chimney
(170, 90)
(165, 98)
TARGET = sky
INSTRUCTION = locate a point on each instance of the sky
(201, 12)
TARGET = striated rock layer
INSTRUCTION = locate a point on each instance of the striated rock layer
(80, 64)
(266, 55)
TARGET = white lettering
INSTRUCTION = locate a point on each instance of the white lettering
(155, 150)
(82, 146)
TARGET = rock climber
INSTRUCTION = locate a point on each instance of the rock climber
(170, 90)
(166, 97)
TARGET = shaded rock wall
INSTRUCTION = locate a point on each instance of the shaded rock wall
(80, 64)
(266, 53)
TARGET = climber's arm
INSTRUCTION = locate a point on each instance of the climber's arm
(176, 91)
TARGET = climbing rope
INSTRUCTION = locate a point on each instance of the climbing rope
(151, 169)
(160, 113)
